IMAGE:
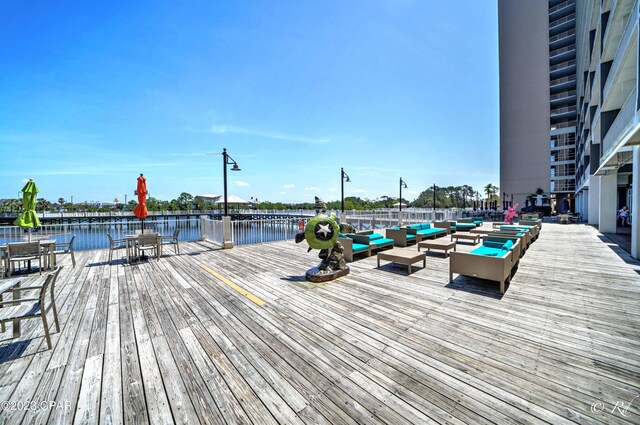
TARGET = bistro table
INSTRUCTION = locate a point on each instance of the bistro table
(48, 247)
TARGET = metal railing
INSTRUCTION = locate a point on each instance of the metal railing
(212, 231)
(93, 236)
(246, 232)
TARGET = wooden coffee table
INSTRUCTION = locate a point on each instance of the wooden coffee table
(441, 244)
(475, 237)
(403, 256)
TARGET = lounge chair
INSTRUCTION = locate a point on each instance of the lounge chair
(493, 260)
(32, 308)
(465, 224)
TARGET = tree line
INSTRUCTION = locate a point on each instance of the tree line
(446, 197)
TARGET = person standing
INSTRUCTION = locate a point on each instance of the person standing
(623, 215)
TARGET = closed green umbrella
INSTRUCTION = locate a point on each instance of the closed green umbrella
(28, 219)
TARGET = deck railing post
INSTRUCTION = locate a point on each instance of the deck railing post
(227, 241)
(203, 228)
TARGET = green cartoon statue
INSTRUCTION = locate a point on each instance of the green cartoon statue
(321, 232)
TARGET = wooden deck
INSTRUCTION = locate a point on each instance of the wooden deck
(174, 341)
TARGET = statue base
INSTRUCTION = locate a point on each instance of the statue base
(318, 276)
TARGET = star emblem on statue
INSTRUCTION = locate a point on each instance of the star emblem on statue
(325, 229)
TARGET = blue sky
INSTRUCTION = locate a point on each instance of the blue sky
(94, 93)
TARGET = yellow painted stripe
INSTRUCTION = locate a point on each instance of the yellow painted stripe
(237, 288)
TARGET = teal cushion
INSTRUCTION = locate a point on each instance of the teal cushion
(507, 245)
(466, 226)
(383, 242)
(375, 236)
(357, 247)
(341, 235)
(453, 227)
(488, 252)
(415, 226)
(424, 226)
(394, 228)
(411, 237)
(492, 244)
(430, 232)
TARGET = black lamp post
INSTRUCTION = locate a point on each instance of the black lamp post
(402, 184)
(434, 200)
(343, 178)
(227, 160)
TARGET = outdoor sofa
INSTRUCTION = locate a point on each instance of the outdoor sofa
(493, 260)
(363, 242)
(533, 230)
(352, 248)
(426, 230)
(402, 236)
(531, 222)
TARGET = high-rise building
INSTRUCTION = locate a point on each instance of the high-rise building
(592, 142)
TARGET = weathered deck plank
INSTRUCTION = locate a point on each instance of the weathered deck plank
(167, 342)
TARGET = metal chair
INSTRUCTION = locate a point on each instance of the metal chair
(148, 242)
(172, 240)
(66, 248)
(20, 308)
(24, 251)
(114, 245)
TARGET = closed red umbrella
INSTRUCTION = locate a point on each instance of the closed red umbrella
(141, 210)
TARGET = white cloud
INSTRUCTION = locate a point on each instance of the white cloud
(332, 189)
(311, 188)
(360, 191)
(283, 193)
(289, 186)
(229, 129)
(241, 183)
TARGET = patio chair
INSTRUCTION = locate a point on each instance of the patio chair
(171, 240)
(148, 242)
(66, 248)
(114, 245)
(20, 308)
(23, 251)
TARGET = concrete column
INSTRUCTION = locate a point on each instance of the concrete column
(594, 200)
(635, 204)
(227, 241)
(608, 204)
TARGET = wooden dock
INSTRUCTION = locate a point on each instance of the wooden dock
(238, 336)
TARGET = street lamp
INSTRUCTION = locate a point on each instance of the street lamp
(344, 178)
(402, 184)
(227, 160)
(434, 200)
